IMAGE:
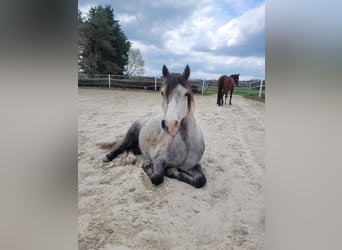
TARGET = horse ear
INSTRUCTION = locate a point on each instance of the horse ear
(186, 72)
(165, 71)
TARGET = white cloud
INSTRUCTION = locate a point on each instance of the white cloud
(202, 34)
(238, 30)
(84, 9)
(192, 31)
(125, 19)
(173, 3)
(215, 65)
(200, 31)
(144, 48)
(239, 4)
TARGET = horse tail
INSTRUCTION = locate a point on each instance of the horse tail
(220, 82)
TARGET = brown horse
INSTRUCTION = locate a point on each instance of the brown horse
(226, 83)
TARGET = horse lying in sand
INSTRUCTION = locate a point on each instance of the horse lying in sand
(171, 141)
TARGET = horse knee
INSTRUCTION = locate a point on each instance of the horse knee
(200, 181)
(157, 179)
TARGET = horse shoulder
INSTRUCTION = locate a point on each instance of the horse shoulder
(195, 145)
(152, 139)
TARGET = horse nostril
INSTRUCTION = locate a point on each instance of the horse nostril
(163, 125)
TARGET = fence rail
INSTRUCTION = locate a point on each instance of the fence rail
(251, 88)
(254, 88)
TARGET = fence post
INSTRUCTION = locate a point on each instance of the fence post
(249, 88)
(202, 86)
(155, 83)
(260, 88)
(108, 80)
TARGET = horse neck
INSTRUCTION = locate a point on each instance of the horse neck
(188, 123)
(233, 83)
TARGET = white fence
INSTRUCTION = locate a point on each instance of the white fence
(250, 88)
(120, 81)
(154, 83)
(257, 86)
(137, 82)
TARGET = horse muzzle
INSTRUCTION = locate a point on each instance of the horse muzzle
(171, 127)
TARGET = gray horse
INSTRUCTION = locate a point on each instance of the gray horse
(171, 141)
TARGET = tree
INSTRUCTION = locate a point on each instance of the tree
(103, 47)
(79, 24)
(136, 64)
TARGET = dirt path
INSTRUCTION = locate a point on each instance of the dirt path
(120, 209)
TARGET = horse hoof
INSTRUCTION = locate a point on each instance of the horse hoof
(157, 179)
(200, 181)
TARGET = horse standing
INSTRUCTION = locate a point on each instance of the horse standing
(226, 83)
(172, 141)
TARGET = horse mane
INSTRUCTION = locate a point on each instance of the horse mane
(236, 78)
(171, 82)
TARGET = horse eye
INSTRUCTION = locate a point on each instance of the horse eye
(186, 94)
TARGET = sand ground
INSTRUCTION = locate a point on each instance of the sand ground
(119, 208)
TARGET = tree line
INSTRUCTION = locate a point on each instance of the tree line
(103, 48)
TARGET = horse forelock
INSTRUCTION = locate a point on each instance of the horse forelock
(171, 83)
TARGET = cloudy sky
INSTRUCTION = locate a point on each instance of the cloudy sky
(213, 37)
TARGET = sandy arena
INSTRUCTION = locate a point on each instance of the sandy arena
(119, 208)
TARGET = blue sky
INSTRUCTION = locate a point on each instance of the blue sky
(213, 37)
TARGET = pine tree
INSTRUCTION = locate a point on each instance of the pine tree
(103, 46)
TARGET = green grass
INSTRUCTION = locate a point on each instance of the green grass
(210, 91)
(254, 94)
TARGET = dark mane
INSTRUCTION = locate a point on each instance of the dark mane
(236, 78)
(171, 82)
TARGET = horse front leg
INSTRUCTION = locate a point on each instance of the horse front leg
(230, 99)
(155, 170)
(194, 176)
